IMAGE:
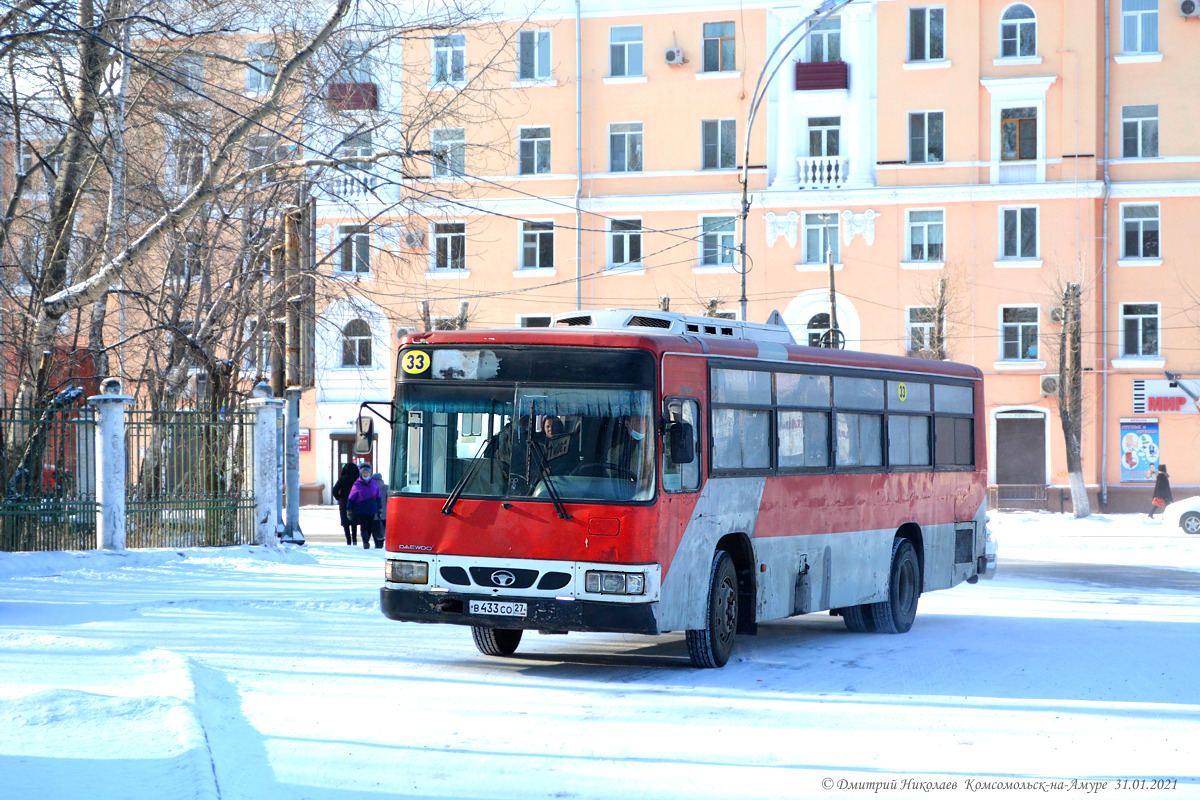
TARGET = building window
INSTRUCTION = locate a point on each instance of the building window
(820, 238)
(354, 252)
(258, 348)
(188, 157)
(1139, 27)
(357, 146)
(186, 260)
(925, 136)
(824, 136)
(1139, 129)
(1019, 232)
(263, 152)
(449, 152)
(719, 46)
(625, 242)
(533, 55)
(625, 147)
(260, 67)
(921, 329)
(537, 245)
(1018, 134)
(449, 58)
(534, 151)
(1139, 328)
(1018, 32)
(717, 241)
(188, 74)
(450, 245)
(1019, 333)
(356, 63)
(1139, 226)
(926, 34)
(825, 41)
(356, 344)
(718, 143)
(818, 327)
(926, 235)
(625, 51)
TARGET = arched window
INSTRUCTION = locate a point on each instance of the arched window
(356, 344)
(1018, 32)
(818, 326)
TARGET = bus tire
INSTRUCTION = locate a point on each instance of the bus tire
(859, 618)
(896, 614)
(496, 641)
(710, 647)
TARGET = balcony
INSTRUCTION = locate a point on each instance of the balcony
(353, 96)
(823, 172)
(822, 75)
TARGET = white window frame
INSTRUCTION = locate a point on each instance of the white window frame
(444, 237)
(189, 159)
(450, 152)
(359, 341)
(1142, 230)
(927, 14)
(718, 136)
(1139, 320)
(1138, 25)
(538, 146)
(718, 241)
(263, 151)
(624, 135)
(356, 64)
(927, 154)
(1142, 124)
(533, 51)
(188, 72)
(186, 260)
(826, 225)
(261, 68)
(1020, 327)
(926, 227)
(257, 357)
(823, 129)
(354, 250)
(720, 39)
(627, 48)
(531, 244)
(820, 37)
(1017, 25)
(1019, 227)
(449, 60)
(626, 241)
(926, 327)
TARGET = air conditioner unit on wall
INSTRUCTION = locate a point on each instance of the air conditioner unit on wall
(1057, 313)
(414, 239)
(1189, 8)
(1049, 386)
(674, 55)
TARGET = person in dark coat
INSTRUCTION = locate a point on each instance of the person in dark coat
(341, 493)
(363, 504)
(1162, 491)
(381, 516)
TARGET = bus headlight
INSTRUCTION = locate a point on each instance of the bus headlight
(406, 571)
(602, 582)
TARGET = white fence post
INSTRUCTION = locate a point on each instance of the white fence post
(110, 464)
(264, 456)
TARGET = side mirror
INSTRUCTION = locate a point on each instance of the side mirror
(364, 436)
(680, 443)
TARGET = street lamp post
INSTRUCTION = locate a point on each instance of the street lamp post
(822, 11)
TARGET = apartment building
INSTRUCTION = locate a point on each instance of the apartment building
(954, 167)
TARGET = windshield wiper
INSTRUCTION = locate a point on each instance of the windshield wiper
(472, 468)
(544, 468)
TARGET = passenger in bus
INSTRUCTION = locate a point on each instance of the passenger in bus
(363, 504)
(341, 493)
(552, 426)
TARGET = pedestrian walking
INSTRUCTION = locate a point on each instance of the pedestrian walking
(363, 504)
(341, 493)
(1162, 491)
(381, 516)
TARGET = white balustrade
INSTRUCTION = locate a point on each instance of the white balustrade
(823, 172)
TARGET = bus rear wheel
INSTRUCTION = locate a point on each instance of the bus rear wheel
(710, 647)
(859, 618)
(896, 614)
(496, 641)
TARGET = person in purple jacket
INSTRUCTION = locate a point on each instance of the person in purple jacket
(363, 504)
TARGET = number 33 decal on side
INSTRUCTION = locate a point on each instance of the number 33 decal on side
(415, 362)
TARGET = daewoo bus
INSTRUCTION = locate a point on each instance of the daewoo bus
(646, 472)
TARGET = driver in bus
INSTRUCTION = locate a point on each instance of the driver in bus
(630, 448)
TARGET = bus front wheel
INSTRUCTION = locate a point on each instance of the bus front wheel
(710, 647)
(496, 641)
(897, 612)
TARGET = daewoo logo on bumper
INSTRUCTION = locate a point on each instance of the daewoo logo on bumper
(414, 547)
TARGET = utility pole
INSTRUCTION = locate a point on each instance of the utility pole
(833, 339)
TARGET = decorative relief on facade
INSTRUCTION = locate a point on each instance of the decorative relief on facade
(785, 225)
(861, 222)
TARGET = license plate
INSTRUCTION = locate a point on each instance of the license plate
(497, 608)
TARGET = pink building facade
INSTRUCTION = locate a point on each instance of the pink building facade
(960, 164)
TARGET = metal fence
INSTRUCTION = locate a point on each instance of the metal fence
(189, 478)
(47, 468)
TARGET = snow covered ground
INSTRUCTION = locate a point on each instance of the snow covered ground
(250, 673)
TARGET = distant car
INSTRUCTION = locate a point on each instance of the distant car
(1185, 513)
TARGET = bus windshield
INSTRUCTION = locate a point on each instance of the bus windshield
(511, 441)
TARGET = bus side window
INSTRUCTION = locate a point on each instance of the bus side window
(683, 477)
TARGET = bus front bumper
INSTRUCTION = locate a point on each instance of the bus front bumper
(541, 613)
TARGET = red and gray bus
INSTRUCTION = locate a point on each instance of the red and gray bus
(646, 472)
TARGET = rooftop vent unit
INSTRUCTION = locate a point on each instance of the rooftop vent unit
(621, 319)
